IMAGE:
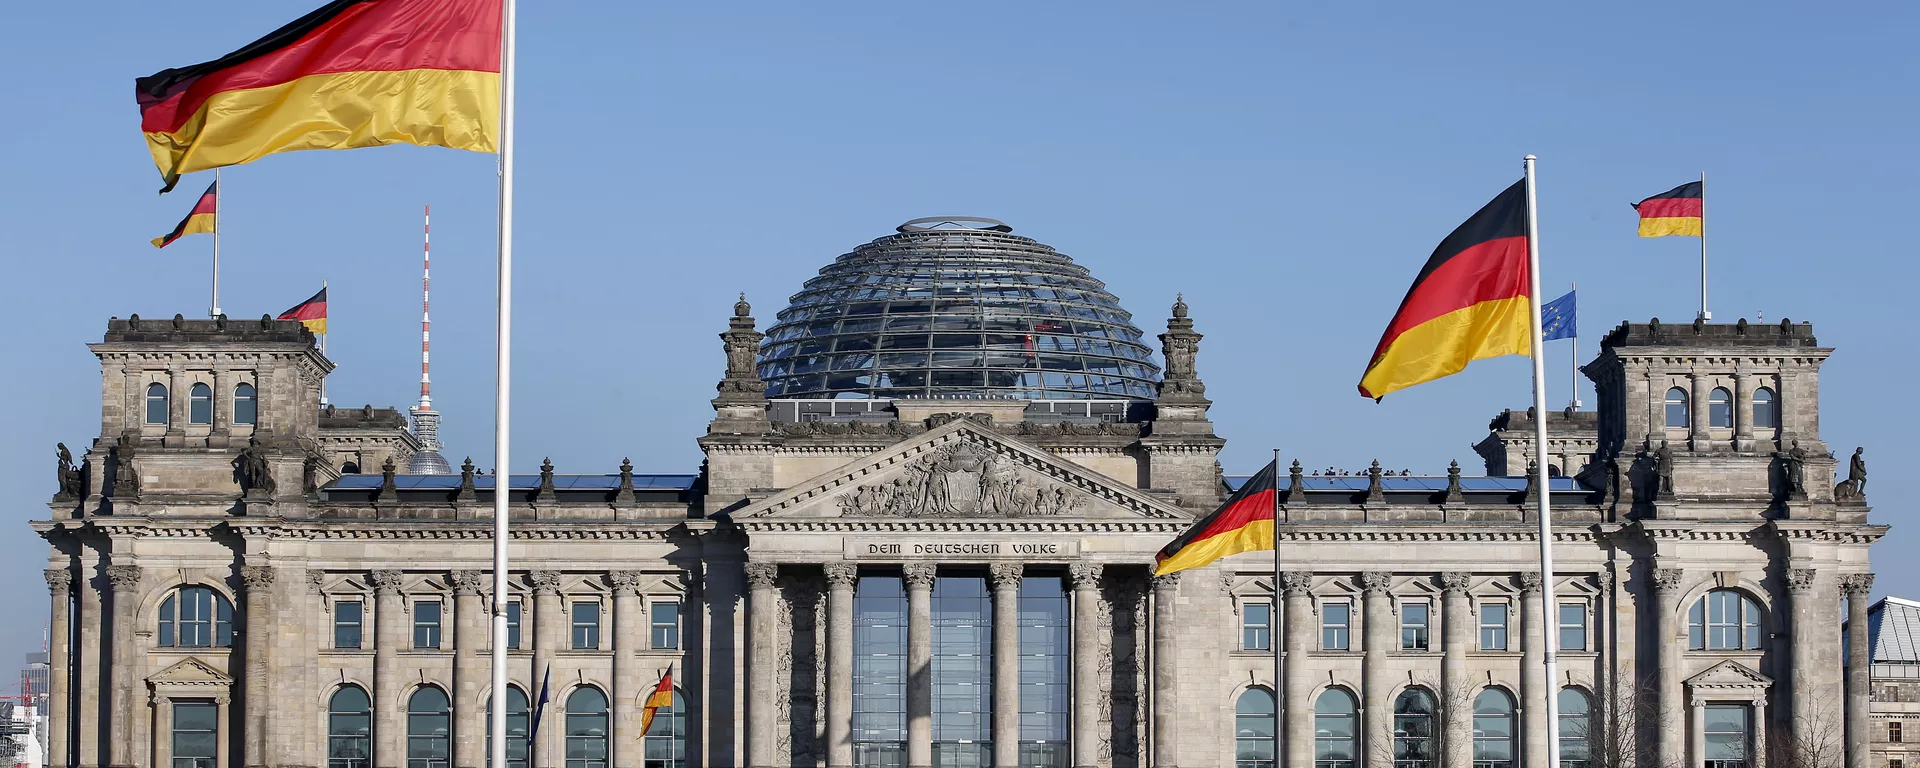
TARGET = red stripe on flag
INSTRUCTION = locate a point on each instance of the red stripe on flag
(1672, 208)
(1489, 271)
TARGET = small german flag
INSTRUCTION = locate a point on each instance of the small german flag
(1243, 524)
(661, 698)
(354, 73)
(311, 313)
(1677, 211)
(205, 217)
(1470, 302)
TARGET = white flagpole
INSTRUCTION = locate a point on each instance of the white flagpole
(323, 336)
(1548, 620)
(213, 306)
(1573, 289)
(502, 380)
(1704, 314)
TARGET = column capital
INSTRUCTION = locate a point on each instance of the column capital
(386, 582)
(762, 575)
(1006, 575)
(317, 582)
(1854, 585)
(1084, 575)
(624, 582)
(919, 575)
(840, 575)
(1800, 580)
(1375, 582)
(58, 581)
(545, 582)
(1455, 582)
(1167, 583)
(1667, 579)
(1531, 583)
(1296, 582)
(123, 577)
(257, 577)
(468, 582)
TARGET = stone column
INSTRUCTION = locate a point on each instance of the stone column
(176, 401)
(59, 637)
(1672, 702)
(257, 640)
(223, 717)
(319, 634)
(919, 578)
(549, 636)
(223, 402)
(1166, 672)
(1533, 673)
(1376, 720)
(1857, 587)
(1742, 407)
(1004, 579)
(762, 601)
(1803, 655)
(1697, 412)
(1086, 663)
(1297, 712)
(470, 674)
(125, 580)
(88, 662)
(629, 636)
(1456, 690)
(840, 581)
(1695, 724)
(163, 723)
(389, 713)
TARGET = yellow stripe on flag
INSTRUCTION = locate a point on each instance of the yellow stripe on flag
(1689, 226)
(1444, 345)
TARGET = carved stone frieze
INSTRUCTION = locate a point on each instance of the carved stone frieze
(962, 479)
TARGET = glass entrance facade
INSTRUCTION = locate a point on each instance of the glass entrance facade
(962, 672)
(880, 672)
(1046, 669)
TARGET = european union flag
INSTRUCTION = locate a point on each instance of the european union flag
(1557, 319)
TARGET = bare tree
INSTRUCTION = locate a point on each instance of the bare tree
(1816, 740)
(1618, 729)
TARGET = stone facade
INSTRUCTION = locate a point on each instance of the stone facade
(1893, 641)
(1388, 584)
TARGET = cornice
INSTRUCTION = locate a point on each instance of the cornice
(939, 525)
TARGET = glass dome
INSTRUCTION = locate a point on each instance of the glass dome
(956, 307)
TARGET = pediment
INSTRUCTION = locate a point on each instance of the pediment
(190, 671)
(961, 470)
(1729, 674)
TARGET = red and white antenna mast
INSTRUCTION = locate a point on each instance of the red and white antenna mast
(426, 422)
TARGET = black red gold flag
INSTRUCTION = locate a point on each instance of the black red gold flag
(311, 313)
(204, 218)
(1243, 524)
(661, 698)
(1469, 302)
(355, 73)
(1677, 211)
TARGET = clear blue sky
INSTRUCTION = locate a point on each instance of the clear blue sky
(1287, 165)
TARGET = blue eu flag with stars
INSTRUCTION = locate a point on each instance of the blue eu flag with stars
(1556, 319)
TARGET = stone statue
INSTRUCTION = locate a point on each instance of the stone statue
(1663, 468)
(1855, 486)
(1797, 470)
(71, 483)
(250, 467)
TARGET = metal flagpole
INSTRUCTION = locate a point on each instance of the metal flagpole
(213, 307)
(1573, 289)
(323, 337)
(1273, 609)
(1547, 639)
(1704, 314)
(502, 381)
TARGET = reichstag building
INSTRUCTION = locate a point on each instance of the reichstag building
(922, 536)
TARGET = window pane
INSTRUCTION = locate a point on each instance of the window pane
(666, 625)
(1677, 408)
(1763, 410)
(156, 404)
(513, 624)
(346, 624)
(1720, 409)
(200, 404)
(245, 407)
(586, 625)
(426, 624)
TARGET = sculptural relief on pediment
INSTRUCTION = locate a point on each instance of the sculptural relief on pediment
(962, 479)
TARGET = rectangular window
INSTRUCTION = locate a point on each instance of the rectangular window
(586, 625)
(1573, 626)
(347, 621)
(665, 618)
(1335, 625)
(962, 671)
(879, 671)
(426, 624)
(196, 733)
(1046, 664)
(1413, 626)
(1893, 732)
(513, 625)
(1256, 627)
(1728, 730)
(1493, 626)
(1896, 763)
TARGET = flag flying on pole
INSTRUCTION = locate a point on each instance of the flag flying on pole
(355, 73)
(202, 219)
(1243, 524)
(1557, 319)
(1469, 302)
(661, 698)
(539, 706)
(1677, 211)
(311, 313)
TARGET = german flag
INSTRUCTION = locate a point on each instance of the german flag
(662, 697)
(1469, 302)
(1243, 524)
(355, 73)
(205, 217)
(1677, 211)
(311, 313)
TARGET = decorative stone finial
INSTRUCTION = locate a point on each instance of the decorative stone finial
(1179, 305)
(1376, 493)
(1180, 383)
(1296, 483)
(741, 308)
(1454, 494)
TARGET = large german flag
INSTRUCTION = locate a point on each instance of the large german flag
(355, 73)
(1677, 211)
(1469, 302)
(311, 313)
(661, 698)
(1243, 524)
(205, 217)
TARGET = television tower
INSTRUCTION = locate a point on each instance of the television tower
(426, 421)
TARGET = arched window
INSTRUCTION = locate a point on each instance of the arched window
(1493, 729)
(349, 728)
(350, 468)
(1677, 417)
(516, 729)
(1255, 729)
(246, 405)
(1413, 730)
(1765, 416)
(1720, 408)
(666, 741)
(196, 617)
(200, 404)
(1333, 745)
(587, 729)
(427, 728)
(1576, 728)
(1724, 620)
(156, 403)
